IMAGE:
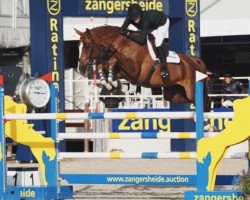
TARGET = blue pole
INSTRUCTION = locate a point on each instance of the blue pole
(199, 129)
(2, 147)
(53, 165)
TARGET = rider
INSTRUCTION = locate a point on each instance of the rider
(149, 21)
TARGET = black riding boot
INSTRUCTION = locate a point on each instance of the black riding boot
(161, 53)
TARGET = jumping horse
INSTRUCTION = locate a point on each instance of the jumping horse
(123, 58)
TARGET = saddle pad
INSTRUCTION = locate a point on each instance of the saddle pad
(172, 56)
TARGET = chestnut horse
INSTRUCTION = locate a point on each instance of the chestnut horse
(107, 48)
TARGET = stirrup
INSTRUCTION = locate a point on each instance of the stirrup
(164, 74)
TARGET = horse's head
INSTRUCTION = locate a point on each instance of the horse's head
(89, 50)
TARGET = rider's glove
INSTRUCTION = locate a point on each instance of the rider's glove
(124, 32)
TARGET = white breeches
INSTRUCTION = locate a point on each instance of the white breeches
(161, 33)
(227, 103)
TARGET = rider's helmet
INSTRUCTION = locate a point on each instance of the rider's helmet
(134, 11)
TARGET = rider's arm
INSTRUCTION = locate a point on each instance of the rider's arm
(240, 88)
(125, 24)
(142, 37)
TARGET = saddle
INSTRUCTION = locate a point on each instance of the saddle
(172, 57)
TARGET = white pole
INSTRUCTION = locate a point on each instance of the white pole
(141, 155)
(14, 14)
(131, 135)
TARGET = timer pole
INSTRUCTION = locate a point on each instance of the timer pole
(2, 142)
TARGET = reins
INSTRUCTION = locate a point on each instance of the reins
(102, 51)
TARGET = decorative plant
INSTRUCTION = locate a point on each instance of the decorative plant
(243, 183)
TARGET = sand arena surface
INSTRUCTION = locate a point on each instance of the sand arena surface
(136, 166)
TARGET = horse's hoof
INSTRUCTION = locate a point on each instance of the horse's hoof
(108, 86)
(114, 83)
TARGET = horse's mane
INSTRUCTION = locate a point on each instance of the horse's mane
(108, 28)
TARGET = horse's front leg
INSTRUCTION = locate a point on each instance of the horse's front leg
(112, 78)
(103, 80)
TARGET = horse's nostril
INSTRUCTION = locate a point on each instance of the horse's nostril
(82, 69)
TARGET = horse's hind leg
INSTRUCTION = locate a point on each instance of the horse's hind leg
(175, 94)
(207, 102)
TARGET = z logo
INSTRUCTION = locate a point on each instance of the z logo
(54, 6)
(191, 7)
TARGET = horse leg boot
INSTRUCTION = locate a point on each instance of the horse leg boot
(161, 53)
(112, 76)
(102, 78)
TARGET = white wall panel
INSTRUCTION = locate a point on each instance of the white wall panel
(225, 17)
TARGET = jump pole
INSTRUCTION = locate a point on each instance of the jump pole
(199, 109)
(2, 147)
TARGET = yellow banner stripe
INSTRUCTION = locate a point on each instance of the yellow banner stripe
(61, 116)
(184, 135)
(185, 155)
(130, 115)
(115, 155)
(114, 136)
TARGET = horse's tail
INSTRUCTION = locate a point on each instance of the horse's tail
(201, 64)
(203, 69)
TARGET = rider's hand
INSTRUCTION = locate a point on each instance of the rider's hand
(124, 32)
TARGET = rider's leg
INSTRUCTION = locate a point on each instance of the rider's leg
(161, 53)
(160, 34)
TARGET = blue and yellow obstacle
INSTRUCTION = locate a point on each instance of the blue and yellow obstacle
(43, 148)
(50, 151)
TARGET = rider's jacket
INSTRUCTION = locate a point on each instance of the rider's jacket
(150, 20)
(235, 87)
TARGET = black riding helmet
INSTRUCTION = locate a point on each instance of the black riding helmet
(134, 11)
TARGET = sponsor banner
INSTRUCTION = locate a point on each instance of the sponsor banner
(55, 43)
(131, 179)
(155, 125)
(192, 27)
(117, 7)
(138, 125)
(215, 195)
(220, 123)
(141, 179)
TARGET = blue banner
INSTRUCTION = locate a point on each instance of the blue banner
(142, 179)
(192, 24)
(117, 8)
(219, 124)
(216, 195)
(139, 125)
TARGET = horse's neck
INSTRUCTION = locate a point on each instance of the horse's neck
(107, 35)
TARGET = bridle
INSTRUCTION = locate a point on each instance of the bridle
(104, 52)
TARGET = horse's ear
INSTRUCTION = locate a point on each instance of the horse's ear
(78, 32)
(88, 31)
